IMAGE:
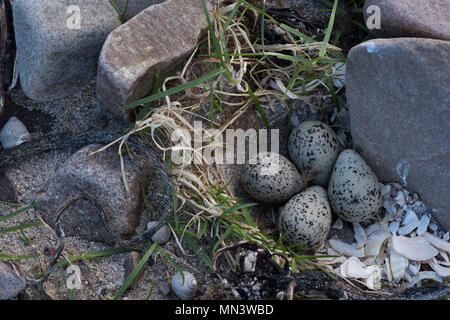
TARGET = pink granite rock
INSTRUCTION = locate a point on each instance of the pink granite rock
(153, 42)
(412, 18)
(99, 176)
(398, 91)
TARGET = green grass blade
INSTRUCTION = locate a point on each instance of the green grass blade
(198, 250)
(297, 33)
(5, 256)
(17, 212)
(91, 255)
(21, 227)
(177, 89)
(10, 204)
(258, 107)
(326, 39)
(135, 272)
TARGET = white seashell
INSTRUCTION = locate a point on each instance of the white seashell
(393, 227)
(440, 270)
(424, 275)
(346, 249)
(433, 227)
(339, 224)
(417, 248)
(378, 226)
(162, 235)
(387, 269)
(373, 282)
(375, 241)
(360, 235)
(400, 199)
(444, 255)
(391, 211)
(14, 133)
(409, 224)
(423, 224)
(414, 267)
(409, 217)
(438, 243)
(184, 290)
(353, 268)
(398, 264)
(446, 236)
(250, 261)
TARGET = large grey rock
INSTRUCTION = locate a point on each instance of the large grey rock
(10, 284)
(153, 42)
(398, 91)
(135, 6)
(55, 58)
(412, 18)
(99, 176)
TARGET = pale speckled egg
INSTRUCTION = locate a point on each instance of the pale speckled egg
(306, 218)
(313, 146)
(271, 179)
(354, 191)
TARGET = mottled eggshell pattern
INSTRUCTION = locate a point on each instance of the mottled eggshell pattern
(354, 191)
(308, 216)
(272, 179)
(313, 146)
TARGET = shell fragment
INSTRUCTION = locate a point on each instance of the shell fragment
(375, 241)
(423, 224)
(346, 249)
(438, 243)
(424, 275)
(360, 235)
(440, 270)
(417, 248)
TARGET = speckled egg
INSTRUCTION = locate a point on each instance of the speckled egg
(308, 218)
(354, 191)
(313, 146)
(271, 179)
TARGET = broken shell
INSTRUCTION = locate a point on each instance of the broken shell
(398, 265)
(446, 236)
(185, 290)
(360, 235)
(393, 227)
(414, 267)
(373, 281)
(250, 261)
(339, 224)
(375, 241)
(423, 224)
(424, 275)
(162, 235)
(410, 223)
(379, 226)
(14, 133)
(353, 268)
(438, 243)
(387, 269)
(346, 249)
(400, 199)
(440, 270)
(433, 227)
(417, 248)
